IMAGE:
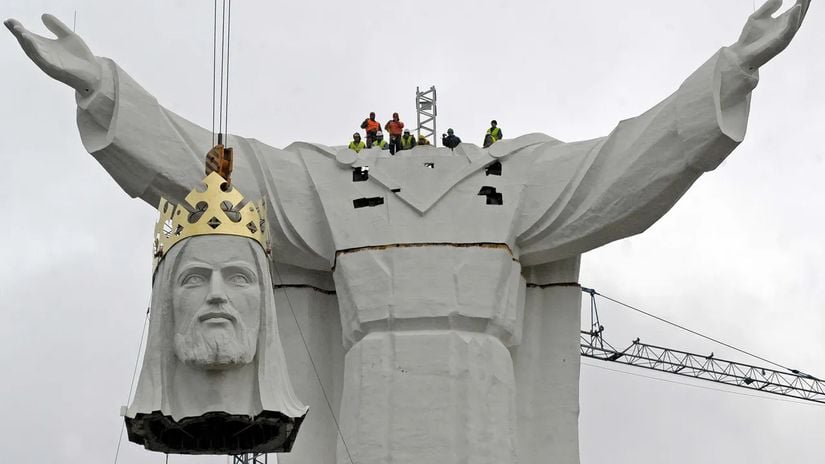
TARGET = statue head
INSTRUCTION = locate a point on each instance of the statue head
(215, 292)
(214, 377)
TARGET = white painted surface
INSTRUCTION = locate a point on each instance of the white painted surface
(559, 200)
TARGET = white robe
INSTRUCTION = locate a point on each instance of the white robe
(474, 262)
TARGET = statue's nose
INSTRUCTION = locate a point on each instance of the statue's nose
(217, 289)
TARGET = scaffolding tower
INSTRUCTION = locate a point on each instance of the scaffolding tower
(427, 110)
(250, 458)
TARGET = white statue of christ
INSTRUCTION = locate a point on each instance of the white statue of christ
(453, 273)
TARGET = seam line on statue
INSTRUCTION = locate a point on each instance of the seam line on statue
(492, 245)
(317, 289)
(554, 284)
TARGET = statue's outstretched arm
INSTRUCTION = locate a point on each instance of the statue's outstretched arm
(149, 151)
(65, 58)
(585, 194)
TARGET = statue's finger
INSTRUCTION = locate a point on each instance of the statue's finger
(805, 4)
(767, 9)
(11, 23)
(56, 26)
(23, 35)
(15, 27)
(794, 21)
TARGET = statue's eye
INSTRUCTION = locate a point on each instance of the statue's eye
(193, 280)
(239, 279)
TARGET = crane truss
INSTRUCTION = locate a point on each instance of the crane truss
(794, 384)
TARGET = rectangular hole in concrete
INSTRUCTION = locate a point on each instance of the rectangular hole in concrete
(360, 174)
(493, 197)
(364, 202)
(493, 169)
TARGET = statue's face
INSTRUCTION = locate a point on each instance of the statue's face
(216, 302)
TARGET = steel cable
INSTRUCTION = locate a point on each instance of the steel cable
(706, 337)
(132, 382)
(312, 361)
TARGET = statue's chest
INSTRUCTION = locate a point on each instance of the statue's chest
(420, 196)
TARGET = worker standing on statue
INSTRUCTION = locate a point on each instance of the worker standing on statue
(494, 134)
(371, 126)
(379, 141)
(450, 140)
(357, 144)
(394, 127)
(423, 140)
(407, 140)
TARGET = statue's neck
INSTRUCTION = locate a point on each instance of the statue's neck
(197, 391)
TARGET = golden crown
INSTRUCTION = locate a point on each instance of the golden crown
(219, 209)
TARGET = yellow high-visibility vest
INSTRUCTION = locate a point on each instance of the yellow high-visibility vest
(494, 133)
(407, 142)
(357, 146)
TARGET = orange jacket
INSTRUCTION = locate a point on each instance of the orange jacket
(395, 127)
(371, 125)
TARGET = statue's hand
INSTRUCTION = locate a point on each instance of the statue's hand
(764, 36)
(66, 58)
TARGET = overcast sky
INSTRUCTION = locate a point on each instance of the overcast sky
(739, 258)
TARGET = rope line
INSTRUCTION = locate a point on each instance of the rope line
(228, 36)
(223, 38)
(314, 367)
(220, 85)
(706, 337)
(132, 382)
(214, 61)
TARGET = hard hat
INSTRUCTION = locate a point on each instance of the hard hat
(379, 134)
(406, 131)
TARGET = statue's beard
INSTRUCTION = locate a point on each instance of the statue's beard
(216, 348)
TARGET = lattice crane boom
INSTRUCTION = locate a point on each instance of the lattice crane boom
(794, 384)
(787, 382)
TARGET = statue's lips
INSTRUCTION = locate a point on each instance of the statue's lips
(216, 317)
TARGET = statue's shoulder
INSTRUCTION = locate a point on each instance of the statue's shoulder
(314, 153)
(519, 147)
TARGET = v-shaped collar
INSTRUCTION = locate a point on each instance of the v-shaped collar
(423, 199)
